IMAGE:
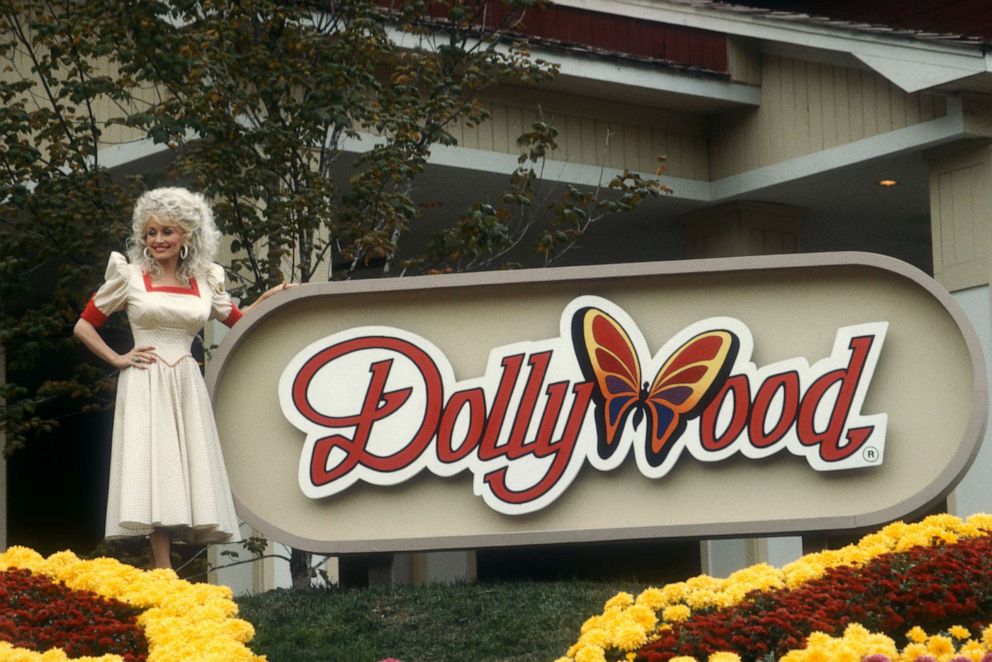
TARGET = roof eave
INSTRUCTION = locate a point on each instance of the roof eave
(912, 63)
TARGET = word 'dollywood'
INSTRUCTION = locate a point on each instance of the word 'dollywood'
(380, 405)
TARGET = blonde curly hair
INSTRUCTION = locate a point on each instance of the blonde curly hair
(191, 214)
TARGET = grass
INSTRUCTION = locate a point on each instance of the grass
(504, 622)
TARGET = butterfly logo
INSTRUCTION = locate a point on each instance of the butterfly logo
(683, 387)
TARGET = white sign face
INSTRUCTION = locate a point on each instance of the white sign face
(711, 398)
(382, 405)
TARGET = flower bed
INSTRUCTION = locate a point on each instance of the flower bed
(38, 614)
(180, 621)
(845, 604)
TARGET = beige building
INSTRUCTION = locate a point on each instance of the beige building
(782, 132)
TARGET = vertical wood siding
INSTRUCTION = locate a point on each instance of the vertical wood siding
(808, 107)
(960, 197)
(104, 109)
(594, 132)
(744, 61)
(744, 228)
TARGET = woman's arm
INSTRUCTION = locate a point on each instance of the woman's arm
(138, 357)
(265, 295)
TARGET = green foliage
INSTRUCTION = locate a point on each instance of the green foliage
(518, 622)
(256, 99)
(60, 211)
(308, 124)
(261, 97)
(484, 236)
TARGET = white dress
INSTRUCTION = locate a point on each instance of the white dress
(166, 467)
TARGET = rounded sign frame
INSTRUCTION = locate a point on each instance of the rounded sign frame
(419, 511)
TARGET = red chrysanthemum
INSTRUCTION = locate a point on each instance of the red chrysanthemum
(933, 587)
(38, 614)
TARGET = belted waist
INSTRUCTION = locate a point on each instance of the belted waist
(170, 345)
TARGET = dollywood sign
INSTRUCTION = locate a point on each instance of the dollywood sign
(544, 409)
(668, 399)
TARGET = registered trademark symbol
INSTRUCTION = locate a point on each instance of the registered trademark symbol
(870, 454)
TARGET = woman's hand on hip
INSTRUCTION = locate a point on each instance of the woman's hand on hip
(138, 357)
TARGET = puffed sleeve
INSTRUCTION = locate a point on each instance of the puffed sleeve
(221, 306)
(112, 295)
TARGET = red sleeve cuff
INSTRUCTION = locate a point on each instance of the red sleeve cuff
(93, 315)
(233, 318)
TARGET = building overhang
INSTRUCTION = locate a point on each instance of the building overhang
(653, 84)
(912, 63)
(650, 85)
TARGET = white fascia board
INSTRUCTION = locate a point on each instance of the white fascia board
(118, 155)
(915, 137)
(911, 138)
(654, 79)
(942, 62)
(502, 163)
(578, 174)
(125, 153)
(912, 75)
(635, 75)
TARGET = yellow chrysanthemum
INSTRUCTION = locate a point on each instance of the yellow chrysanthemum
(916, 634)
(972, 650)
(181, 620)
(724, 657)
(676, 614)
(630, 637)
(643, 616)
(651, 598)
(940, 646)
(981, 522)
(9, 653)
(703, 598)
(621, 600)
(676, 602)
(591, 654)
(913, 651)
(959, 632)
(987, 637)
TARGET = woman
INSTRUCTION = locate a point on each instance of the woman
(167, 475)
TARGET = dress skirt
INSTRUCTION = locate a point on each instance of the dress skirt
(166, 466)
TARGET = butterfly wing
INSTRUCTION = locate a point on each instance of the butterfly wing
(684, 386)
(608, 359)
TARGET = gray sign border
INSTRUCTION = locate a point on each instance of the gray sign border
(939, 488)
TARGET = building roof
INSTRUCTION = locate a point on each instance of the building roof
(955, 21)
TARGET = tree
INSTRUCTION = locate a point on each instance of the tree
(487, 233)
(257, 101)
(260, 97)
(60, 209)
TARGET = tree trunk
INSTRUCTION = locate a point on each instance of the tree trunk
(299, 568)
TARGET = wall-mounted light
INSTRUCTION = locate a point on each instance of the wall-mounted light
(886, 183)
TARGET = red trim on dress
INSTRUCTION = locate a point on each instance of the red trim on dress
(233, 318)
(94, 315)
(193, 288)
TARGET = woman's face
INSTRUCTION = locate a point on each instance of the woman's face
(163, 240)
